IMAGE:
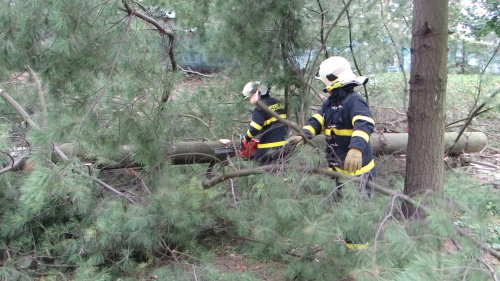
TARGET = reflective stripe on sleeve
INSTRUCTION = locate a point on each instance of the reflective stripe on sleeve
(310, 129)
(361, 117)
(320, 119)
(343, 132)
(361, 134)
(249, 134)
(256, 126)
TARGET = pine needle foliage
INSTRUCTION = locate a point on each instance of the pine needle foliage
(105, 77)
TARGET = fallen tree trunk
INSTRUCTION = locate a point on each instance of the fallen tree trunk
(181, 153)
(390, 143)
(396, 143)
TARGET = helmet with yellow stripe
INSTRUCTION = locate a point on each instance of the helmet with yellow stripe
(336, 72)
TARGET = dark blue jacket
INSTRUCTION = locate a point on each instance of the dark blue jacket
(348, 123)
(267, 129)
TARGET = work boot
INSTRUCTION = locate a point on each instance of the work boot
(356, 246)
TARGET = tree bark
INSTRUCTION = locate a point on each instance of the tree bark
(424, 166)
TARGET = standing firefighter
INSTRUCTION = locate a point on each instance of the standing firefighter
(265, 136)
(347, 122)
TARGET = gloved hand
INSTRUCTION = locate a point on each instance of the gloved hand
(353, 160)
(294, 141)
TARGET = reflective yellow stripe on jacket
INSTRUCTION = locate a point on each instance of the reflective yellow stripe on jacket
(343, 132)
(348, 133)
(271, 144)
(272, 119)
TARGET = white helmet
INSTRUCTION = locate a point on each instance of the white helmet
(251, 87)
(336, 72)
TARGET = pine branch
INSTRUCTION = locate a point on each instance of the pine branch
(63, 156)
(201, 121)
(450, 125)
(39, 92)
(322, 29)
(207, 183)
(490, 269)
(475, 113)
(56, 149)
(334, 24)
(110, 75)
(379, 229)
(353, 55)
(469, 120)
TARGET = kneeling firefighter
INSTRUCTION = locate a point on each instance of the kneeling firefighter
(265, 136)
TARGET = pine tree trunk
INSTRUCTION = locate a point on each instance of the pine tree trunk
(425, 151)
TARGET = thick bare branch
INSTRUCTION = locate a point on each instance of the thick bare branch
(149, 19)
(19, 109)
(292, 125)
(39, 92)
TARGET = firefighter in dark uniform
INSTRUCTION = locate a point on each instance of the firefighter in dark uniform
(265, 131)
(347, 122)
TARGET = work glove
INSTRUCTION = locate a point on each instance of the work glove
(353, 160)
(294, 141)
